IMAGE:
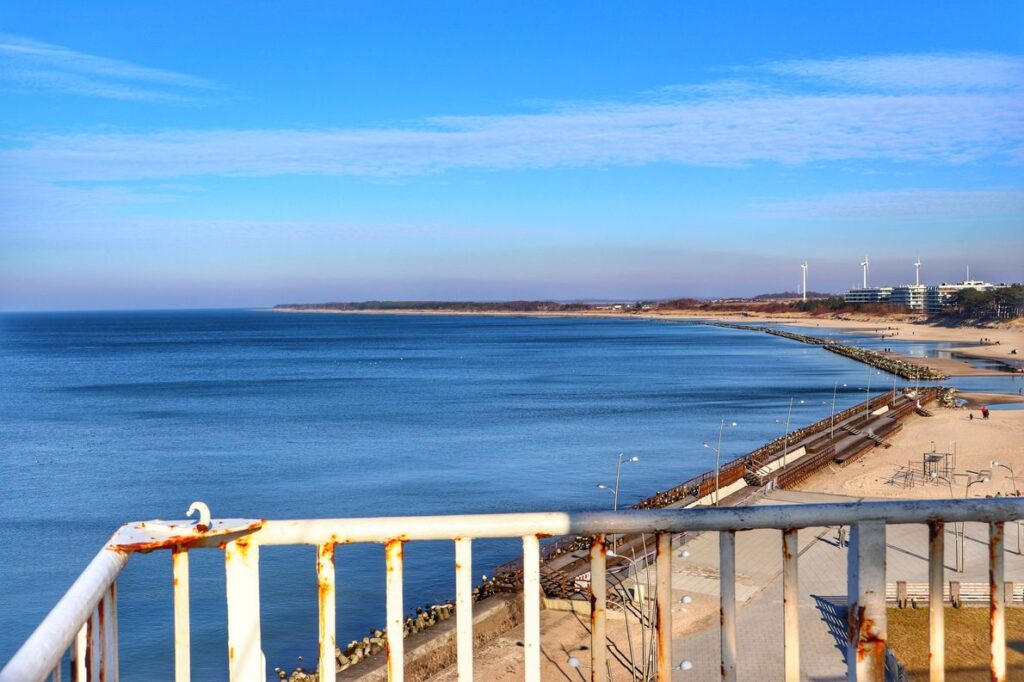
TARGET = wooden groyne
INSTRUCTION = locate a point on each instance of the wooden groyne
(901, 368)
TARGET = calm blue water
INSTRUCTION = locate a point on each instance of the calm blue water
(112, 417)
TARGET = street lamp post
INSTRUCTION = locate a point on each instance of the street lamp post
(1013, 481)
(832, 427)
(785, 438)
(618, 473)
(718, 457)
(967, 491)
(867, 400)
(958, 549)
(963, 526)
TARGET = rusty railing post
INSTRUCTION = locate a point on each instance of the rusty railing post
(865, 659)
(531, 607)
(997, 602)
(936, 604)
(242, 568)
(394, 607)
(182, 627)
(327, 666)
(727, 608)
(598, 604)
(791, 604)
(464, 608)
(663, 571)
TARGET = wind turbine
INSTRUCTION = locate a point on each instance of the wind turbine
(803, 269)
(865, 266)
(917, 272)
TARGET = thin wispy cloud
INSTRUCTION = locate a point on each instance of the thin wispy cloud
(32, 66)
(911, 116)
(914, 204)
(913, 72)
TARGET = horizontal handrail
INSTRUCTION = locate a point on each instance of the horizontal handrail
(385, 529)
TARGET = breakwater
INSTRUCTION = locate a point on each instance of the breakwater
(901, 368)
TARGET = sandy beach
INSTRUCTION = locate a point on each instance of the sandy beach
(975, 442)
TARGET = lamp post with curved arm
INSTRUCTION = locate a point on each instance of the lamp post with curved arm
(1013, 481)
(958, 541)
(718, 457)
(785, 446)
(967, 490)
(832, 427)
(867, 400)
(618, 473)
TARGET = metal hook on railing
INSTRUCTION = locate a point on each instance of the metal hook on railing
(203, 524)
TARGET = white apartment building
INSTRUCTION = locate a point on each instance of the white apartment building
(938, 296)
(910, 296)
(869, 295)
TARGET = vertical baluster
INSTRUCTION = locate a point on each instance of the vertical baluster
(245, 657)
(791, 604)
(110, 671)
(464, 608)
(997, 602)
(727, 583)
(94, 655)
(55, 674)
(78, 654)
(663, 624)
(598, 605)
(531, 607)
(182, 626)
(865, 658)
(327, 666)
(395, 610)
(936, 604)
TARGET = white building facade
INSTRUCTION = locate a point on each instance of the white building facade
(909, 296)
(869, 295)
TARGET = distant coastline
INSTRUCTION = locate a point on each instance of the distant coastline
(988, 340)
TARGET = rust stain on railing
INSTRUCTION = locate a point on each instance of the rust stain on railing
(147, 536)
(864, 632)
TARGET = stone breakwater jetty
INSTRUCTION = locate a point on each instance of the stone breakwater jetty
(901, 368)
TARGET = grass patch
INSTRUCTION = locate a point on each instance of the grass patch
(966, 642)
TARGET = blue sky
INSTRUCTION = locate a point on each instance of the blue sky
(229, 154)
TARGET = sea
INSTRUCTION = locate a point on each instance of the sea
(112, 417)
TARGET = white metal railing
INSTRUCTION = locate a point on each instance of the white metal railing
(84, 621)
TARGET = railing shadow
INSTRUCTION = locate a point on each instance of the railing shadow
(834, 611)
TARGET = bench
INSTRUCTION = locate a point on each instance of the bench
(910, 594)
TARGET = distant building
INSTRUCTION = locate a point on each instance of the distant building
(869, 295)
(932, 298)
(910, 296)
(938, 296)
